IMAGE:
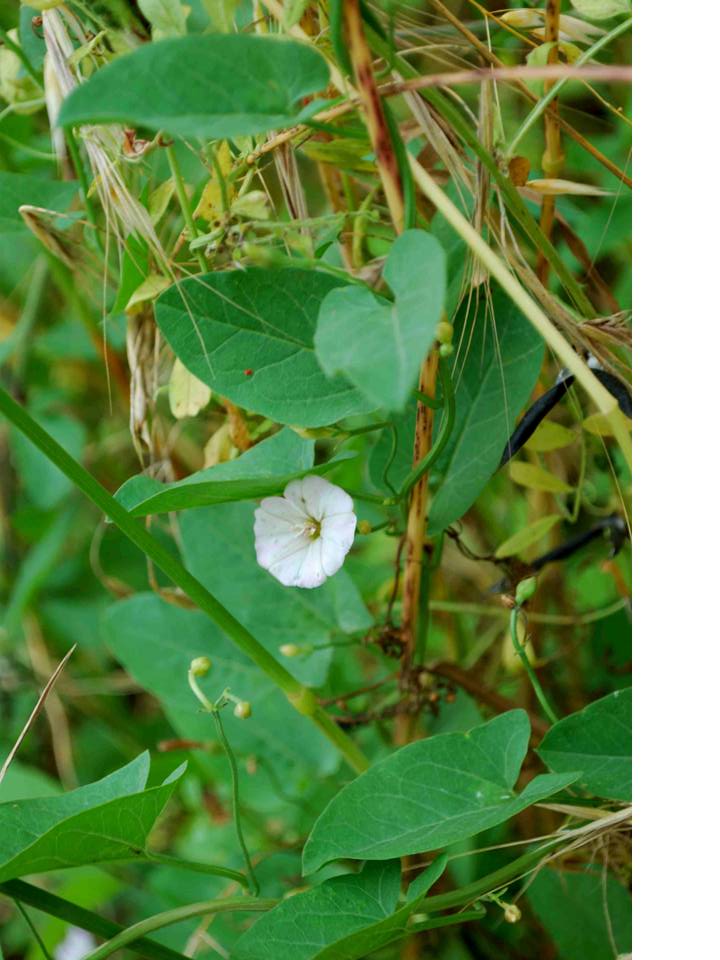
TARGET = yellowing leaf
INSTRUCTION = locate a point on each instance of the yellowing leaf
(550, 436)
(188, 395)
(597, 424)
(221, 13)
(210, 204)
(252, 205)
(219, 448)
(554, 187)
(529, 475)
(601, 9)
(159, 200)
(167, 17)
(526, 537)
(150, 288)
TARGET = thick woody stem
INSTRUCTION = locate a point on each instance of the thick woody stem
(377, 127)
(553, 156)
(392, 185)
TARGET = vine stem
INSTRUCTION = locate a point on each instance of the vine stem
(553, 158)
(301, 697)
(603, 399)
(70, 912)
(177, 915)
(190, 224)
(520, 650)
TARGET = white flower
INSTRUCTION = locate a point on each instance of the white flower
(303, 537)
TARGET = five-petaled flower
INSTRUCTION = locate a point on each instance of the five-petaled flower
(303, 537)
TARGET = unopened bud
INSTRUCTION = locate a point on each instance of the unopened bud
(364, 527)
(525, 590)
(512, 913)
(444, 332)
(290, 650)
(446, 350)
(200, 666)
(242, 710)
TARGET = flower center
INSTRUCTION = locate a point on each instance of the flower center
(312, 529)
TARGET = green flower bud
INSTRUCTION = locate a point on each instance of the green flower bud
(364, 527)
(290, 650)
(525, 590)
(200, 666)
(512, 913)
(444, 332)
(242, 710)
(446, 350)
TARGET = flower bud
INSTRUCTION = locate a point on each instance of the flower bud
(242, 710)
(444, 332)
(290, 650)
(364, 527)
(525, 590)
(446, 350)
(200, 666)
(512, 913)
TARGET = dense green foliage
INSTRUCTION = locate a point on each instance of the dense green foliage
(255, 250)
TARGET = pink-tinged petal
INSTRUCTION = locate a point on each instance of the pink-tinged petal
(340, 529)
(311, 574)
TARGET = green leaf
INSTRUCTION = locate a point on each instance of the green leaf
(145, 622)
(262, 471)
(601, 9)
(105, 821)
(167, 17)
(598, 742)
(43, 482)
(262, 321)
(536, 478)
(345, 918)
(379, 346)
(550, 436)
(498, 363)
(17, 189)
(221, 13)
(430, 793)
(527, 536)
(219, 546)
(203, 86)
(588, 915)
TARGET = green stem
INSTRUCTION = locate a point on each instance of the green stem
(300, 696)
(177, 915)
(69, 912)
(520, 650)
(196, 866)
(220, 730)
(443, 437)
(190, 224)
(541, 105)
(76, 158)
(33, 929)
(487, 609)
(499, 878)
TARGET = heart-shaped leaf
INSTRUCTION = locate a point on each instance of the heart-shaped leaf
(203, 86)
(248, 334)
(430, 793)
(379, 346)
